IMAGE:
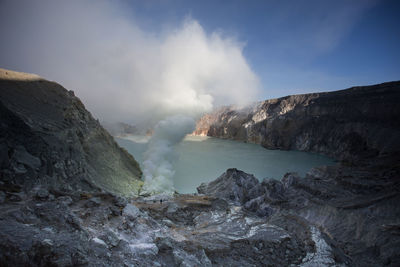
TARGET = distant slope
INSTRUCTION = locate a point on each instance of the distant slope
(48, 137)
(348, 124)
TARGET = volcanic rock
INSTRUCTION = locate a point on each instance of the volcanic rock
(348, 124)
(48, 137)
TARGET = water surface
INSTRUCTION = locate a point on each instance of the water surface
(202, 159)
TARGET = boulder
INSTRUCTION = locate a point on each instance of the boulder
(22, 156)
(93, 202)
(42, 194)
(131, 212)
(233, 185)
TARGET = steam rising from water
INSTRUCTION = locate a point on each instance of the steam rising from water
(126, 73)
(158, 167)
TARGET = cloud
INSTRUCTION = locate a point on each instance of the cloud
(120, 71)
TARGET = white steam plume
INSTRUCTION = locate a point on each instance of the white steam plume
(120, 71)
(158, 166)
(124, 73)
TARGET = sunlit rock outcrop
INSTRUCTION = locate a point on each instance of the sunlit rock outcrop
(347, 124)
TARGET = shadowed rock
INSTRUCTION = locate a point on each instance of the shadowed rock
(47, 136)
(347, 210)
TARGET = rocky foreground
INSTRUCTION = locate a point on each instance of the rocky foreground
(332, 217)
(64, 201)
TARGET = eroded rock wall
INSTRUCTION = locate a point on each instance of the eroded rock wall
(348, 124)
(48, 137)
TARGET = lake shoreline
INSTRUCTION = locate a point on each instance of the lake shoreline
(200, 159)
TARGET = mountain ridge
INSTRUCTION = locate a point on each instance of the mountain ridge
(345, 124)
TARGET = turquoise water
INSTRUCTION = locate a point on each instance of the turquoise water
(202, 159)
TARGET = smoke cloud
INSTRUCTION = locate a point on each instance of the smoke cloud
(158, 168)
(121, 71)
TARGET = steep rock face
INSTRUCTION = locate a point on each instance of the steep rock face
(48, 137)
(348, 124)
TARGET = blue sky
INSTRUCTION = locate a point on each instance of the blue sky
(297, 46)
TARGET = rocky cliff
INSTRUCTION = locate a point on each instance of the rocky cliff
(48, 138)
(353, 207)
(347, 124)
(60, 172)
